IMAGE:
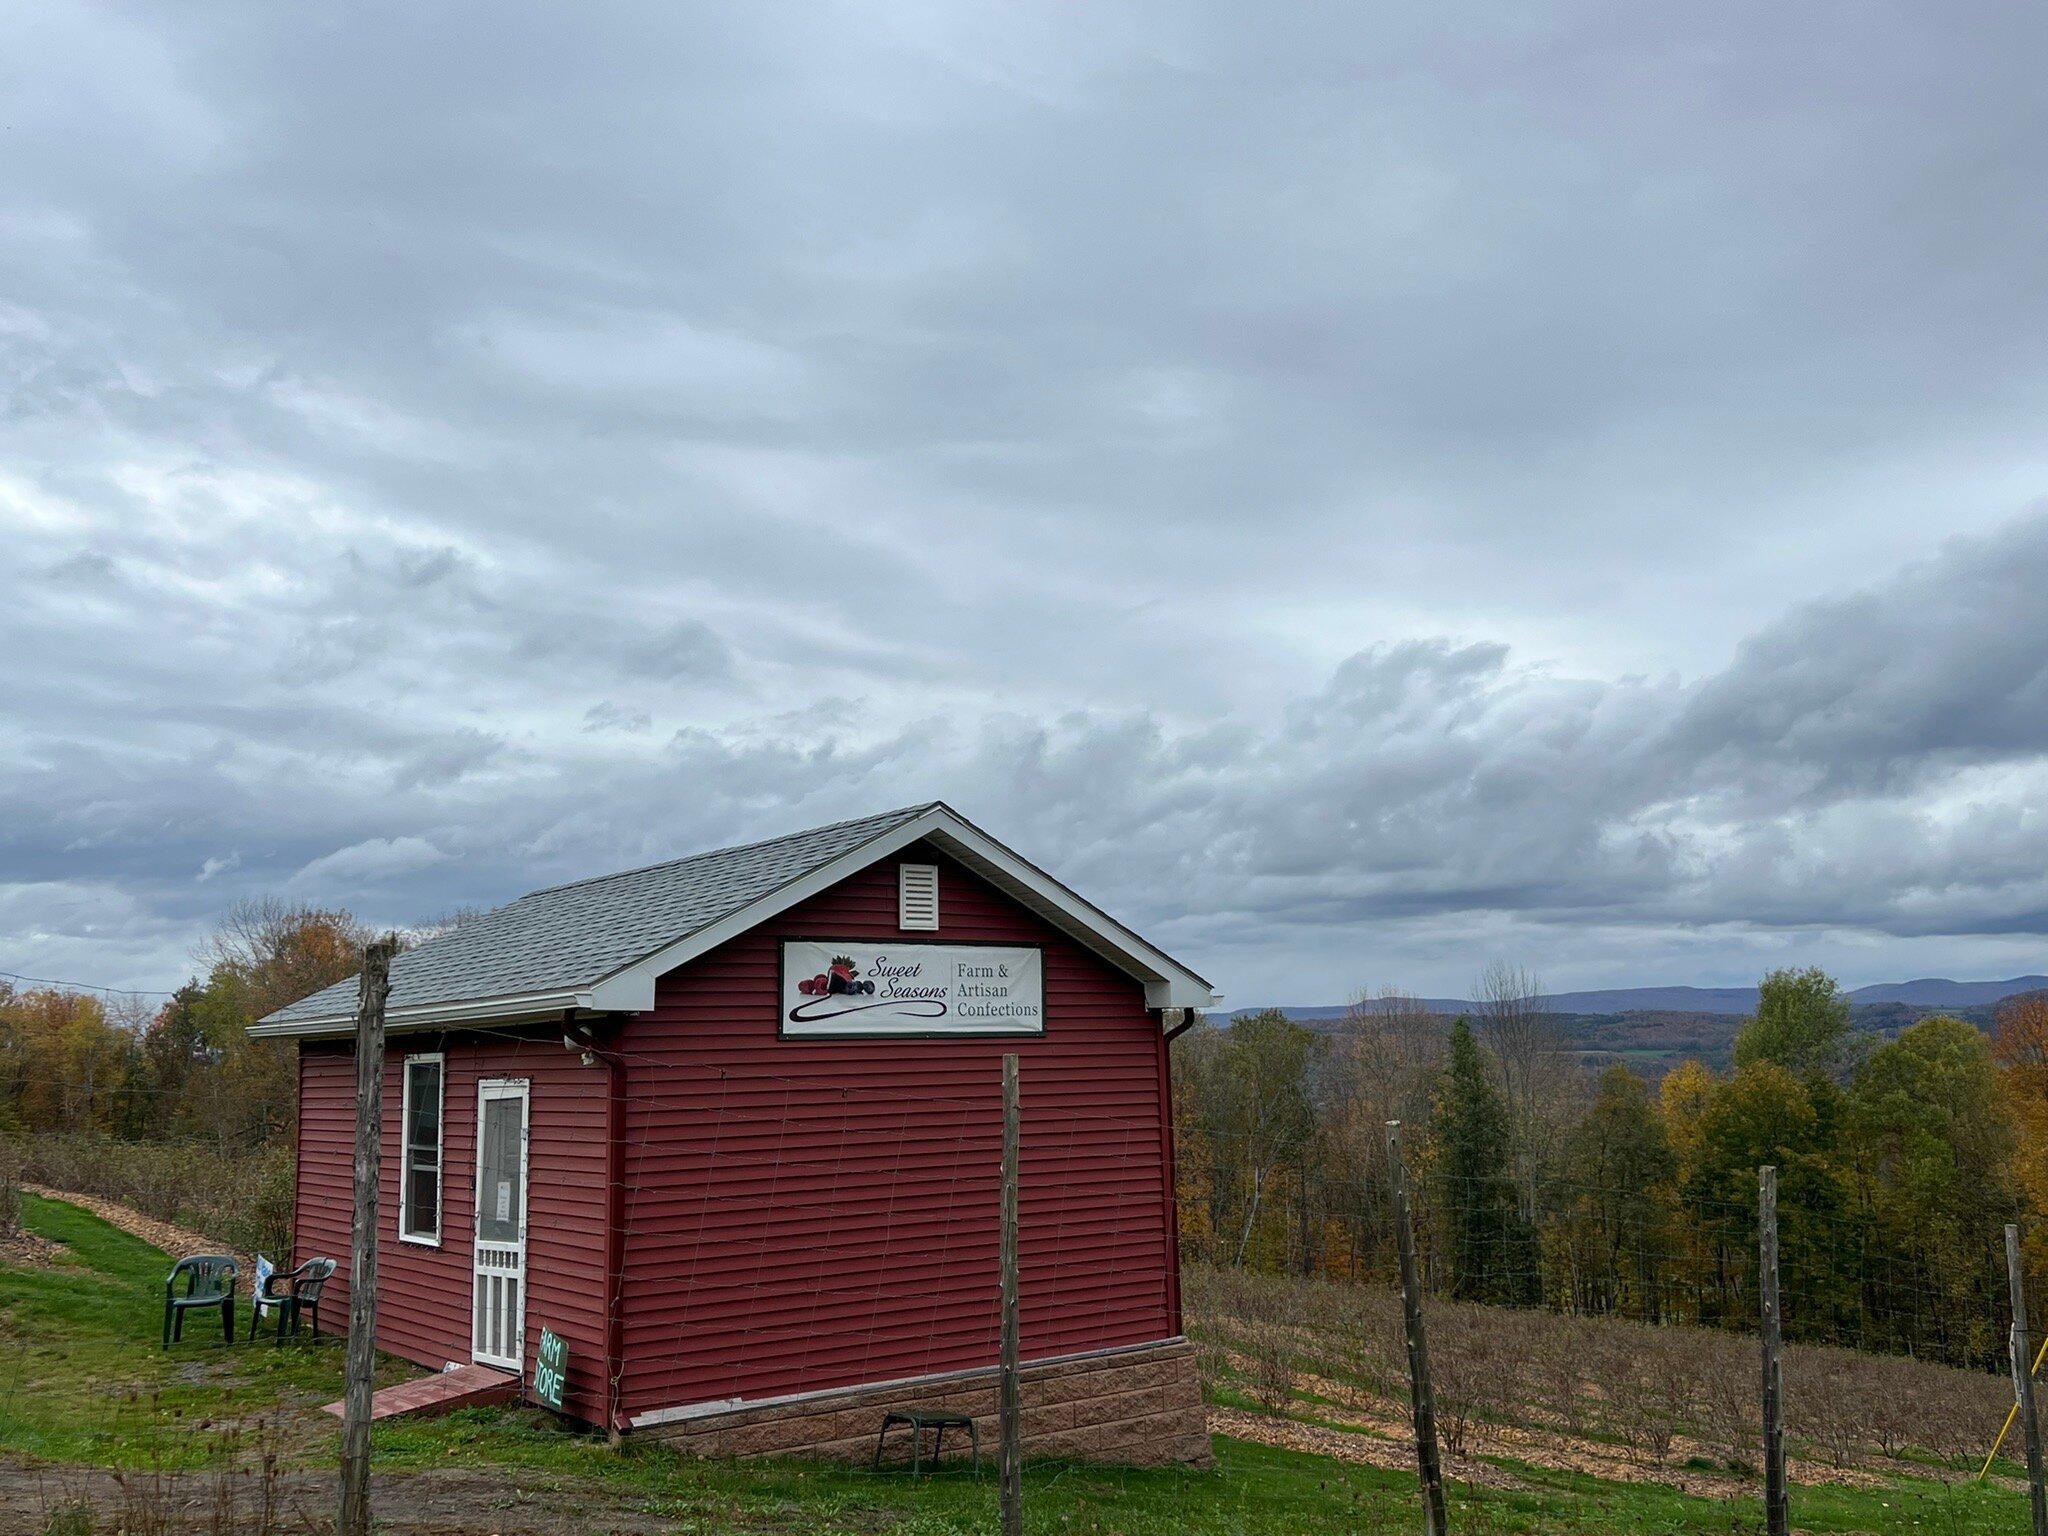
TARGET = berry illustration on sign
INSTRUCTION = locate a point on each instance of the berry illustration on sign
(842, 976)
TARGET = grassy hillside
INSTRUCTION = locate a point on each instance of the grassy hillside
(228, 1439)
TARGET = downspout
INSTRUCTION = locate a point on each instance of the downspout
(298, 1142)
(614, 1222)
(1170, 1162)
(614, 1244)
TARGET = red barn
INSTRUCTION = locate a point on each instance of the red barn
(731, 1125)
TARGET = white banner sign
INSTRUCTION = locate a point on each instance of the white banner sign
(910, 989)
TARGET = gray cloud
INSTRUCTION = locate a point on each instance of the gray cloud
(1940, 667)
(608, 716)
(1357, 491)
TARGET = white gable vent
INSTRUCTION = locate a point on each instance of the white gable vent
(917, 896)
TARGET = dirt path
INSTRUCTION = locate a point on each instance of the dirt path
(434, 1503)
(173, 1239)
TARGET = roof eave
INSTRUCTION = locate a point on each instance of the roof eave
(521, 1008)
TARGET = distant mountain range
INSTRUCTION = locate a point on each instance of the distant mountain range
(1654, 1028)
(1928, 992)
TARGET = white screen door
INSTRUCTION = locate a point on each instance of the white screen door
(500, 1301)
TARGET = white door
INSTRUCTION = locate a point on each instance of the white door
(500, 1296)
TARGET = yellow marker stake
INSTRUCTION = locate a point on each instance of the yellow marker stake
(2010, 1414)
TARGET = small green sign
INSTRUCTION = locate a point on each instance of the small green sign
(551, 1369)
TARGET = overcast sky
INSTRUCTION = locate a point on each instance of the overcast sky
(1357, 490)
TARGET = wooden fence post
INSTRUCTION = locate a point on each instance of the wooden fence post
(1421, 1392)
(1010, 1407)
(1777, 1508)
(2023, 1379)
(372, 990)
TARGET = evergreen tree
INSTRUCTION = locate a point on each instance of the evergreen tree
(1489, 1249)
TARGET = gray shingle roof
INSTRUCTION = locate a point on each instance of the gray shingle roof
(575, 935)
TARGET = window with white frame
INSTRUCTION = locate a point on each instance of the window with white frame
(419, 1195)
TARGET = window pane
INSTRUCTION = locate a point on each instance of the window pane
(423, 1203)
(500, 1204)
(424, 1106)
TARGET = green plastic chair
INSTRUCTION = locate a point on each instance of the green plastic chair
(209, 1283)
(308, 1281)
(291, 1294)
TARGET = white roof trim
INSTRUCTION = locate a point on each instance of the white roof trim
(524, 1008)
(1168, 984)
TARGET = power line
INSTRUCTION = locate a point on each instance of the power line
(88, 986)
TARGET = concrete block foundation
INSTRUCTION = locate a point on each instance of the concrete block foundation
(1136, 1406)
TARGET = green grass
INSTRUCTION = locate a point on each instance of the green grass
(83, 1376)
(83, 1381)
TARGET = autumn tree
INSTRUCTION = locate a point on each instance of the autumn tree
(1249, 1093)
(2019, 1040)
(1931, 1138)
(1801, 1023)
(1381, 1063)
(70, 1061)
(1385, 1056)
(2019, 1044)
(265, 954)
(280, 951)
(1616, 1212)
(1683, 1097)
(1536, 1072)
(65, 1063)
(1767, 1115)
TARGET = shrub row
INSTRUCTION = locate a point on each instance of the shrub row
(243, 1199)
(1640, 1387)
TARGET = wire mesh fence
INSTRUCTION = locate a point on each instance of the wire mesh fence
(1651, 1255)
(1613, 1329)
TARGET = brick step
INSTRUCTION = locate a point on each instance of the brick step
(467, 1386)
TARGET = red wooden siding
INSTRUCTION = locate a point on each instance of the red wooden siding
(423, 1311)
(806, 1214)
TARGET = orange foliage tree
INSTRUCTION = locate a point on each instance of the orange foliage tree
(2019, 1042)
